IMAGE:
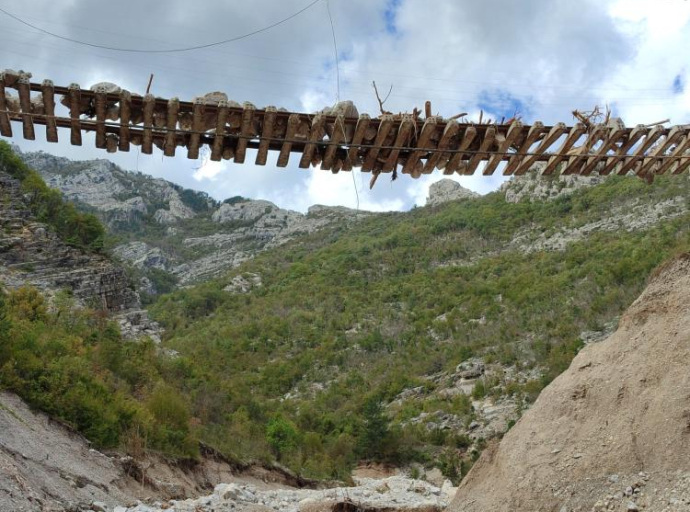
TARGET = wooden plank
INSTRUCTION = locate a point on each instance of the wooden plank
(270, 114)
(315, 135)
(535, 131)
(111, 143)
(5, 125)
(636, 134)
(454, 162)
(197, 128)
(173, 112)
(23, 85)
(575, 133)
(291, 130)
(75, 113)
(48, 92)
(401, 139)
(147, 140)
(219, 137)
(357, 138)
(554, 134)
(245, 132)
(636, 157)
(101, 105)
(424, 142)
(617, 130)
(648, 162)
(438, 158)
(125, 117)
(385, 125)
(675, 163)
(514, 132)
(489, 140)
(338, 137)
(581, 154)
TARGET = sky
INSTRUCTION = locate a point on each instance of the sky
(539, 58)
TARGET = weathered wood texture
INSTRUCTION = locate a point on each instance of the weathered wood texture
(336, 142)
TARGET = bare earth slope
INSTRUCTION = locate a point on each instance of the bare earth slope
(613, 431)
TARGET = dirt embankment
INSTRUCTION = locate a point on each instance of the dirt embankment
(613, 431)
(45, 466)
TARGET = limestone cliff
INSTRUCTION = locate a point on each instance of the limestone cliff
(32, 254)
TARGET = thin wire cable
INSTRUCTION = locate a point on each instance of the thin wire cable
(172, 50)
(335, 52)
(337, 89)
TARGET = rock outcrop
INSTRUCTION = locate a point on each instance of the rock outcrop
(613, 431)
(134, 206)
(534, 187)
(447, 190)
(32, 254)
(45, 466)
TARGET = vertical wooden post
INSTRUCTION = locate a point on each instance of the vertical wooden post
(266, 134)
(48, 91)
(5, 125)
(197, 127)
(246, 132)
(147, 141)
(75, 114)
(101, 105)
(25, 101)
(292, 126)
(171, 127)
(125, 118)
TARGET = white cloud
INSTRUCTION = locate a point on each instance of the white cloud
(550, 56)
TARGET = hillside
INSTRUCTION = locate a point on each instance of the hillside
(171, 235)
(415, 336)
(611, 433)
(406, 338)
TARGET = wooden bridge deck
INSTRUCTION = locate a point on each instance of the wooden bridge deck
(338, 143)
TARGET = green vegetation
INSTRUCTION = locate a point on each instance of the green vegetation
(307, 369)
(73, 364)
(76, 228)
(347, 319)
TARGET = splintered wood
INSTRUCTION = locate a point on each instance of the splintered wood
(338, 139)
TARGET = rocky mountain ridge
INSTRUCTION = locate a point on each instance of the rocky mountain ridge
(186, 234)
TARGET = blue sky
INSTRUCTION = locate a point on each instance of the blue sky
(543, 58)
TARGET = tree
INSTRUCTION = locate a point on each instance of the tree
(373, 439)
(281, 435)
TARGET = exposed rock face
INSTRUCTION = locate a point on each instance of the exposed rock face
(32, 254)
(135, 205)
(612, 432)
(251, 226)
(45, 466)
(118, 196)
(447, 190)
(142, 255)
(629, 217)
(533, 187)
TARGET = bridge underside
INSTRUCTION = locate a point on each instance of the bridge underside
(388, 143)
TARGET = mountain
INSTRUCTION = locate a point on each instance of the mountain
(172, 235)
(410, 338)
(613, 431)
(417, 337)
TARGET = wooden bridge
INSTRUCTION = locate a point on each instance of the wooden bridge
(334, 140)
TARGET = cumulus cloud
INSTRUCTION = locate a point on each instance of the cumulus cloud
(541, 58)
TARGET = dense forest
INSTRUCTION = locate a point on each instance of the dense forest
(302, 368)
